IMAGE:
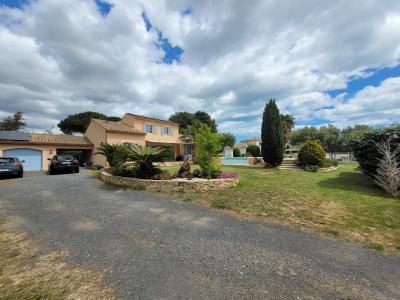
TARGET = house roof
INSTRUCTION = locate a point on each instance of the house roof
(118, 127)
(48, 139)
(240, 145)
(251, 139)
(14, 135)
(154, 119)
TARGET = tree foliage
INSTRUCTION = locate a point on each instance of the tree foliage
(332, 138)
(287, 126)
(366, 150)
(208, 144)
(78, 123)
(185, 119)
(227, 139)
(253, 150)
(236, 152)
(112, 152)
(272, 135)
(13, 123)
(144, 158)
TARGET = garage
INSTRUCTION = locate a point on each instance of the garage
(32, 157)
(37, 148)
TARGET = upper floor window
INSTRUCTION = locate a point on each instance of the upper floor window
(166, 130)
(149, 128)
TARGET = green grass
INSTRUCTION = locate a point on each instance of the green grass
(341, 204)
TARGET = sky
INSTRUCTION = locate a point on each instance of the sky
(325, 62)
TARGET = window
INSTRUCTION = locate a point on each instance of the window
(149, 128)
(166, 130)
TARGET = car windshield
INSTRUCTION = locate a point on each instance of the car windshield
(6, 160)
(64, 158)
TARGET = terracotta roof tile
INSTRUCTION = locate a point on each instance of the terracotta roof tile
(154, 119)
(111, 126)
(52, 139)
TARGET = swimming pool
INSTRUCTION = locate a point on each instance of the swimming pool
(235, 161)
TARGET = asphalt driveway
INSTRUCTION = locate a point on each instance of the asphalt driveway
(155, 247)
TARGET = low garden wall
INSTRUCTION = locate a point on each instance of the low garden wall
(327, 170)
(174, 185)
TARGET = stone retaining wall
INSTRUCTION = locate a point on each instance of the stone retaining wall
(174, 185)
(327, 170)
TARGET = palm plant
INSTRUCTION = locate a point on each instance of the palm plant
(144, 157)
(113, 153)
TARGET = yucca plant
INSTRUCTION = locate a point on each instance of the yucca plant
(144, 157)
(115, 154)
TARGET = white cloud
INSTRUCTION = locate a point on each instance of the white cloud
(62, 57)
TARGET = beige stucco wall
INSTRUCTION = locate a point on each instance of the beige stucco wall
(97, 135)
(47, 151)
(118, 138)
(138, 123)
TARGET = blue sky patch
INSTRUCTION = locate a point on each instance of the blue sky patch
(103, 7)
(186, 11)
(171, 53)
(375, 78)
(13, 3)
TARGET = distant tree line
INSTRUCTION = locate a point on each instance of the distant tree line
(332, 138)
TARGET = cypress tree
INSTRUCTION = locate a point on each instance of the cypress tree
(272, 138)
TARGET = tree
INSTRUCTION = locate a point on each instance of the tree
(253, 150)
(304, 134)
(272, 135)
(366, 151)
(205, 118)
(185, 119)
(13, 123)
(80, 122)
(287, 126)
(227, 139)
(236, 152)
(388, 172)
(331, 139)
(208, 144)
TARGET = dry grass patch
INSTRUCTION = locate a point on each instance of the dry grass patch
(27, 274)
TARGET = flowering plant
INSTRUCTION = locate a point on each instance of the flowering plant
(224, 175)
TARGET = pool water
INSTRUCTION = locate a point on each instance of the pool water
(235, 161)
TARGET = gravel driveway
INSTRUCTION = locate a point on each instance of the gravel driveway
(155, 247)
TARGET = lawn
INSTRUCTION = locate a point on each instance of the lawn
(341, 204)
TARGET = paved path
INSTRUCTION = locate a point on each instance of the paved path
(155, 247)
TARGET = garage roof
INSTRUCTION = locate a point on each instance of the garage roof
(47, 139)
(111, 126)
(14, 135)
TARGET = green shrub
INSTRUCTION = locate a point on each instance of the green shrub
(311, 168)
(169, 154)
(253, 150)
(125, 170)
(365, 148)
(236, 152)
(208, 145)
(311, 153)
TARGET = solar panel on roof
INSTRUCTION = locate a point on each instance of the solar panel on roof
(14, 135)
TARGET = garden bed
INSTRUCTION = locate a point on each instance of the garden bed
(173, 185)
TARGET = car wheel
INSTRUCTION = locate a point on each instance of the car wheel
(77, 170)
(50, 172)
(20, 175)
